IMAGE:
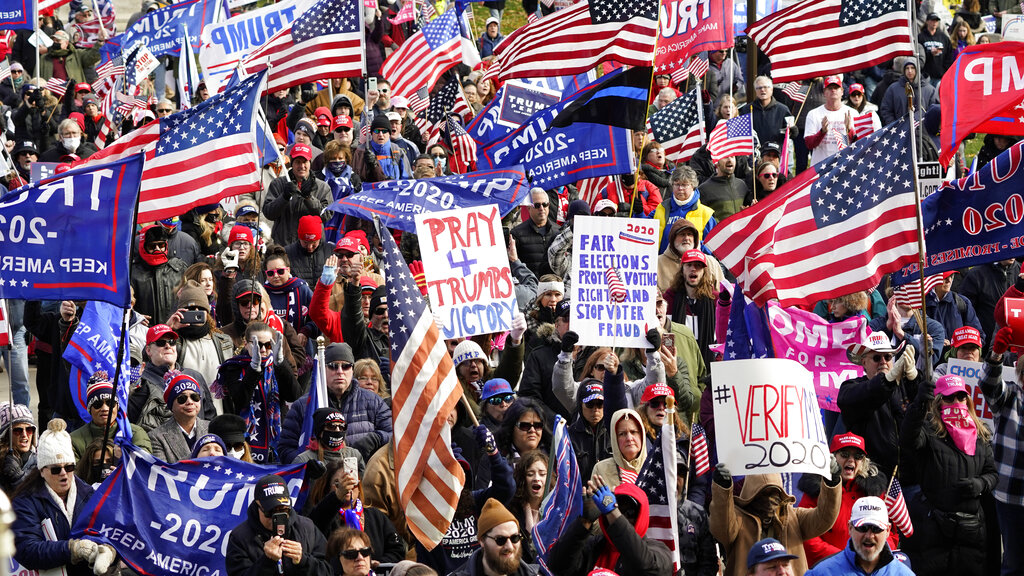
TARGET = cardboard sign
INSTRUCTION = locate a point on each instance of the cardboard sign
(1013, 27)
(630, 245)
(465, 261)
(767, 417)
(971, 372)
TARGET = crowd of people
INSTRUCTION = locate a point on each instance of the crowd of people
(229, 299)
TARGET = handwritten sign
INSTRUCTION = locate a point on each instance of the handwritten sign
(631, 247)
(465, 261)
(767, 417)
(971, 372)
(818, 346)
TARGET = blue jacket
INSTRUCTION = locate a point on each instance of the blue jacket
(33, 550)
(367, 415)
(947, 312)
(844, 564)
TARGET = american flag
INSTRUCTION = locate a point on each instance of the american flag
(796, 91)
(51, 4)
(443, 102)
(188, 73)
(679, 127)
(898, 509)
(325, 41)
(425, 390)
(425, 56)
(104, 20)
(817, 38)
(428, 12)
(196, 156)
(463, 147)
(531, 18)
(699, 450)
(863, 125)
(5, 70)
(658, 480)
(834, 229)
(734, 137)
(110, 68)
(492, 72)
(57, 87)
(418, 101)
(909, 294)
(698, 67)
(593, 189)
(616, 289)
(576, 39)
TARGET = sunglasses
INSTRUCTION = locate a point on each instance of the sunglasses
(770, 175)
(594, 404)
(56, 470)
(157, 246)
(167, 111)
(186, 397)
(502, 399)
(601, 368)
(657, 403)
(25, 430)
(847, 454)
(267, 345)
(881, 357)
(96, 405)
(339, 366)
(501, 540)
(958, 397)
(380, 310)
(869, 528)
(527, 426)
(382, 131)
(384, 90)
(438, 156)
(356, 553)
(342, 130)
(276, 272)
(540, 204)
(335, 427)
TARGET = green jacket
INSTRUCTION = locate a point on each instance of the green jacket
(72, 64)
(82, 437)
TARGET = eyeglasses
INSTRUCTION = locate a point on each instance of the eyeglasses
(356, 553)
(847, 454)
(380, 310)
(381, 131)
(594, 404)
(540, 205)
(56, 470)
(958, 397)
(502, 399)
(501, 540)
(266, 345)
(527, 426)
(239, 244)
(97, 404)
(25, 431)
(165, 342)
(881, 357)
(168, 111)
(276, 272)
(770, 175)
(186, 397)
(869, 528)
(339, 366)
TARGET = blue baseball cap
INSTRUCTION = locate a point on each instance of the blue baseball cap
(495, 387)
(767, 550)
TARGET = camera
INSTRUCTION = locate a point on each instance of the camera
(193, 317)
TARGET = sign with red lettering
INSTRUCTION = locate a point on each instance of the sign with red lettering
(690, 27)
(767, 417)
(465, 261)
(971, 373)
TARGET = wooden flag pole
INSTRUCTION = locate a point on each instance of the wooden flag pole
(920, 236)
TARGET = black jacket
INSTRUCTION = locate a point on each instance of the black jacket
(57, 151)
(245, 555)
(306, 265)
(154, 288)
(769, 121)
(537, 374)
(365, 341)
(532, 244)
(984, 285)
(576, 551)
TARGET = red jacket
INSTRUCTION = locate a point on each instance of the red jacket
(833, 541)
(327, 320)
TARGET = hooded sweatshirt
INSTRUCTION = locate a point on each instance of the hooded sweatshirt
(610, 469)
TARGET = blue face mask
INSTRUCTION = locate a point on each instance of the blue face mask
(337, 167)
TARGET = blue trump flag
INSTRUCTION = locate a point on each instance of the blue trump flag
(17, 15)
(316, 399)
(170, 519)
(161, 30)
(93, 347)
(974, 220)
(68, 237)
(397, 202)
(564, 503)
(748, 335)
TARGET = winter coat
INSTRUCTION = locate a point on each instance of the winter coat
(82, 436)
(245, 556)
(72, 64)
(532, 244)
(366, 342)
(36, 124)
(306, 265)
(169, 442)
(608, 469)
(57, 151)
(669, 213)
(388, 546)
(33, 550)
(737, 530)
(366, 166)
(15, 468)
(725, 195)
(380, 491)
(486, 44)
(367, 415)
(327, 320)
(845, 563)
(697, 554)
(146, 403)
(705, 311)
(538, 371)
(984, 286)
(154, 288)
(287, 203)
(835, 538)
(769, 120)
(894, 103)
(936, 66)
(475, 567)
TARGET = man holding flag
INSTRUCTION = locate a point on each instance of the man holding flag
(104, 412)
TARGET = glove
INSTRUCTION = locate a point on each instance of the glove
(590, 511)
(290, 189)
(604, 499)
(836, 470)
(969, 487)
(368, 444)
(328, 276)
(82, 550)
(1002, 340)
(105, 557)
(315, 469)
(485, 440)
(910, 368)
(307, 187)
(518, 327)
(229, 258)
(722, 476)
(385, 365)
(254, 356)
(654, 337)
(569, 340)
(724, 298)
(899, 368)
(278, 356)
(308, 96)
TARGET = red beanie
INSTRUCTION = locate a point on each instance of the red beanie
(310, 228)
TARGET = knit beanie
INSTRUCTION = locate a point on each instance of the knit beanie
(468, 350)
(207, 439)
(176, 382)
(55, 446)
(310, 228)
(193, 295)
(494, 513)
(99, 388)
(18, 414)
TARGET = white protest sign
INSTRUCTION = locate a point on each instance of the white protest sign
(38, 37)
(767, 417)
(971, 373)
(1013, 27)
(465, 262)
(145, 62)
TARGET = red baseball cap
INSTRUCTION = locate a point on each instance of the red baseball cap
(302, 151)
(655, 390)
(846, 440)
(966, 335)
(351, 242)
(341, 121)
(694, 256)
(835, 79)
(83, 87)
(159, 331)
(323, 116)
(856, 88)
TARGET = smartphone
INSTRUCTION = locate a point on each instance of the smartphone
(669, 341)
(279, 522)
(371, 84)
(193, 317)
(351, 466)
(508, 235)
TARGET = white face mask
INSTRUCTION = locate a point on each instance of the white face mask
(71, 144)
(236, 454)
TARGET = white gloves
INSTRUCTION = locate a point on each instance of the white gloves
(905, 366)
(82, 550)
(229, 258)
(518, 327)
(105, 560)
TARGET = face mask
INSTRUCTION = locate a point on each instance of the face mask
(440, 162)
(332, 440)
(71, 143)
(336, 168)
(236, 454)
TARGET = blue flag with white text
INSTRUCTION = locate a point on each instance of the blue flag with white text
(17, 15)
(161, 30)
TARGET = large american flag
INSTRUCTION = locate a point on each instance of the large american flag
(325, 41)
(898, 509)
(679, 127)
(576, 39)
(733, 137)
(424, 391)
(658, 480)
(196, 156)
(821, 37)
(425, 56)
(834, 229)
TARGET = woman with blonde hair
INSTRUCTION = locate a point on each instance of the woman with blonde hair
(961, 36)
(368, 375)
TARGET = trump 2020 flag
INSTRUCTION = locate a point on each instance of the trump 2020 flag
(564, 503)
(69, 237)
(316, 399)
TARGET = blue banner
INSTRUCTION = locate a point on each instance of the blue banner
(171, 519)
(69, 237)
(161, 30)
(974, 220)
(16, 15)
(397, 202)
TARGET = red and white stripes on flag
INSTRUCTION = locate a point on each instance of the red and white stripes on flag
(733, 137)
(658, 479)
(531, 18)
(863, 125)
(898, 509)
(51, 4)
(820, 37)
(616, 289)
(418, 104)
(593, 189)
(5, 69)
(699, 450)
(697, 67)
(425, 56)
(463, 148)
(796, 91)
(108, 70)
(57, 87)
(909, 294)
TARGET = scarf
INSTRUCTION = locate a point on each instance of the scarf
(961, 427)
(341, 185)
(386, 161)
(263, 415)
(353, 516)
(690, 204)
(286, 301)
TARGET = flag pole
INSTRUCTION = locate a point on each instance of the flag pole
(920, 237)
(8, 61)
(647, 113)
(59, 100)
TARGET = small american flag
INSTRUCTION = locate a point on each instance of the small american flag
(104, 20)
(796, 91)
(364, 133)
(418, 101)
(909, 294)
(898, 509)
(110, 68)
(425, 56)
(428, 12)
(57, 87)
(679, 127)
(5, 70)
(593, 189)
(658, 480)
(463, 147)
(863, 125)
(443, 102)
(616, 289)
(733, 137)
(531, 18)
(699, 449)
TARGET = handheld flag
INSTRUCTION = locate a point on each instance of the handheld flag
(733, 137)
(564, 503)
(898, 509)
(658, 480)
(679, 127)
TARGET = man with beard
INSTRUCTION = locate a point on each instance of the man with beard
(868, 552)
(691, 299)
(501, 549)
